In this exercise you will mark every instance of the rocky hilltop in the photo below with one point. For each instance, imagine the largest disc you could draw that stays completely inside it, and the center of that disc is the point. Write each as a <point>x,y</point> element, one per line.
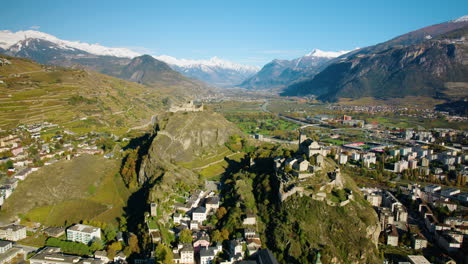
<point>184,137</point>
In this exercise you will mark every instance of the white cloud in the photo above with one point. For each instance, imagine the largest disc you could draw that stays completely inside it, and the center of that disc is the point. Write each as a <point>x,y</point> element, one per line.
<point>35,27</point>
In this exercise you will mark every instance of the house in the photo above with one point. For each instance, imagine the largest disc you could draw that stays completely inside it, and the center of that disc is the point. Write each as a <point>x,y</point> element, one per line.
<point>419,241</point>
<point>199,214</point>
<point>119,257</point>
<point>13,232</point>
<point>202,241</point>
<point>21,175</point>
<point>102,255</point>
<point>54,231</point>
<point>418,259</point>
<point>250,220</point>
<point>392,236</point>
<point>207,254</point>
<point>236,249</point>
<point>212,203</point>
<point>249,233</point>
<point>83,233</point>
<point>177,218</point>
<point>253,245</point>
<point>374,199</point>
<point>193,225</point>
<point>343,159</point>
<point>5,246</point>
<point>187,254</point>
<point>355,156</point>
<point>5,191</point>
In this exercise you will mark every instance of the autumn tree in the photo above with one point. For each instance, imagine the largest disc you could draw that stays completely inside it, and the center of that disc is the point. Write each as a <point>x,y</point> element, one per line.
<point>133,244</point>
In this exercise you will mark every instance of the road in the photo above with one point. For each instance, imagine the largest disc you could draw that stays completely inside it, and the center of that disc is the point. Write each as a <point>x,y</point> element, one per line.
<point>151,122</point>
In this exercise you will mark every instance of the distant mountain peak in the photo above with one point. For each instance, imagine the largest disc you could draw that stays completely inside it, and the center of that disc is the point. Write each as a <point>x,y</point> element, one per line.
<point>9,38</point>
<point>326,54</point>
<point>461,19</point>
<point>212,62</point>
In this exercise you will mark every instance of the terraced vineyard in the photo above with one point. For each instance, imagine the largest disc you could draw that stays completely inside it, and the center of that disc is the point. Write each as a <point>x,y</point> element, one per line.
<point>80,100</point>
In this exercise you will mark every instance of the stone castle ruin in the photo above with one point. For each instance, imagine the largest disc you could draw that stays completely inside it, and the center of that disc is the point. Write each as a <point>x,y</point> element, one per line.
<point>295,173</point>
<point>189,106</point>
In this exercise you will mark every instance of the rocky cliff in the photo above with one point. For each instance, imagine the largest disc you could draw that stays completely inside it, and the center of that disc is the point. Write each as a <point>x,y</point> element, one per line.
<point>183,137</point>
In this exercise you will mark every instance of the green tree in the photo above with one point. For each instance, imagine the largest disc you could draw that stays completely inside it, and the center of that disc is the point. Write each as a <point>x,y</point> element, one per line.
<point>185,236</point>
<point>216,236</point>
<point>163,254</point>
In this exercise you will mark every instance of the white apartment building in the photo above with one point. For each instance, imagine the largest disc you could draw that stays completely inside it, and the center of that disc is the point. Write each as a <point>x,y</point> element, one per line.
<point>83,233</point>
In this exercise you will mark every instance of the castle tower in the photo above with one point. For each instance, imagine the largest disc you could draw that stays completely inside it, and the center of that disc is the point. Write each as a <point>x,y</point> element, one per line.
<point>302,138</point>
<point>153,209</point>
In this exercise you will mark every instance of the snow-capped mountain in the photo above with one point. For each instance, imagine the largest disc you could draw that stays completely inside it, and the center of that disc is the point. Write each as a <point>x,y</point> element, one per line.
<point>280,73</point>
<point>460,19</point>
<point>48,49</point>
<point>9,39</point>
<point>326,54</point>
<point>214,71</point>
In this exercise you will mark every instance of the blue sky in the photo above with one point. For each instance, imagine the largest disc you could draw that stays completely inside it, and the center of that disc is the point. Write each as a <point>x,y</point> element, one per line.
<point>248,32</point>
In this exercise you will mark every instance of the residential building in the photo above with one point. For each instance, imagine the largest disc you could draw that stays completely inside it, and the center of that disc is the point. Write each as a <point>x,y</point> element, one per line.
<point>102,255</point>
<point>253,244</point>
<point>250,220</point>
<point>343,159</point>
<point>13,232</point>
<point>53,255</point>
<point>418,259</point>
<point>236,249</point>
<point>400,166</point>
<point>83,233</point>
<point>187,254</point>
<point>432,188</point>
<point>356,156</point>
<point>392,236</point>
<point>207,254</point>
<point>449,192</point>
<point>5,246</point>
<point>212,203</point>
<point>413,164</point>
<point>374,199</point>
<point>199,214</point>
<point>419,241</point>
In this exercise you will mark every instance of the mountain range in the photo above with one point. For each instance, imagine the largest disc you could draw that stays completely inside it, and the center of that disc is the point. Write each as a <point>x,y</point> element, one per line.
<point>279,73</point>
<point>431,62</point>
<point>48,49</point>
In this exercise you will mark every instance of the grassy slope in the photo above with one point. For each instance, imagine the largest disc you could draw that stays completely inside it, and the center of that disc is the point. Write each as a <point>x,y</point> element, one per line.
<point>32,92</point>
<point>79,189</point>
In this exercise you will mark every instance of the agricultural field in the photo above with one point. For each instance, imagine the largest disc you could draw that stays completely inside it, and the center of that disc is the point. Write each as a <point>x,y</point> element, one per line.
<point>81,101</point>
<point>85,188</point>
<point>261,123</point>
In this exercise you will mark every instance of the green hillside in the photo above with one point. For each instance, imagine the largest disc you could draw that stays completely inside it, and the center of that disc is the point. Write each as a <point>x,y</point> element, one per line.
<point>85,188</point>
<point>79,100</point>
